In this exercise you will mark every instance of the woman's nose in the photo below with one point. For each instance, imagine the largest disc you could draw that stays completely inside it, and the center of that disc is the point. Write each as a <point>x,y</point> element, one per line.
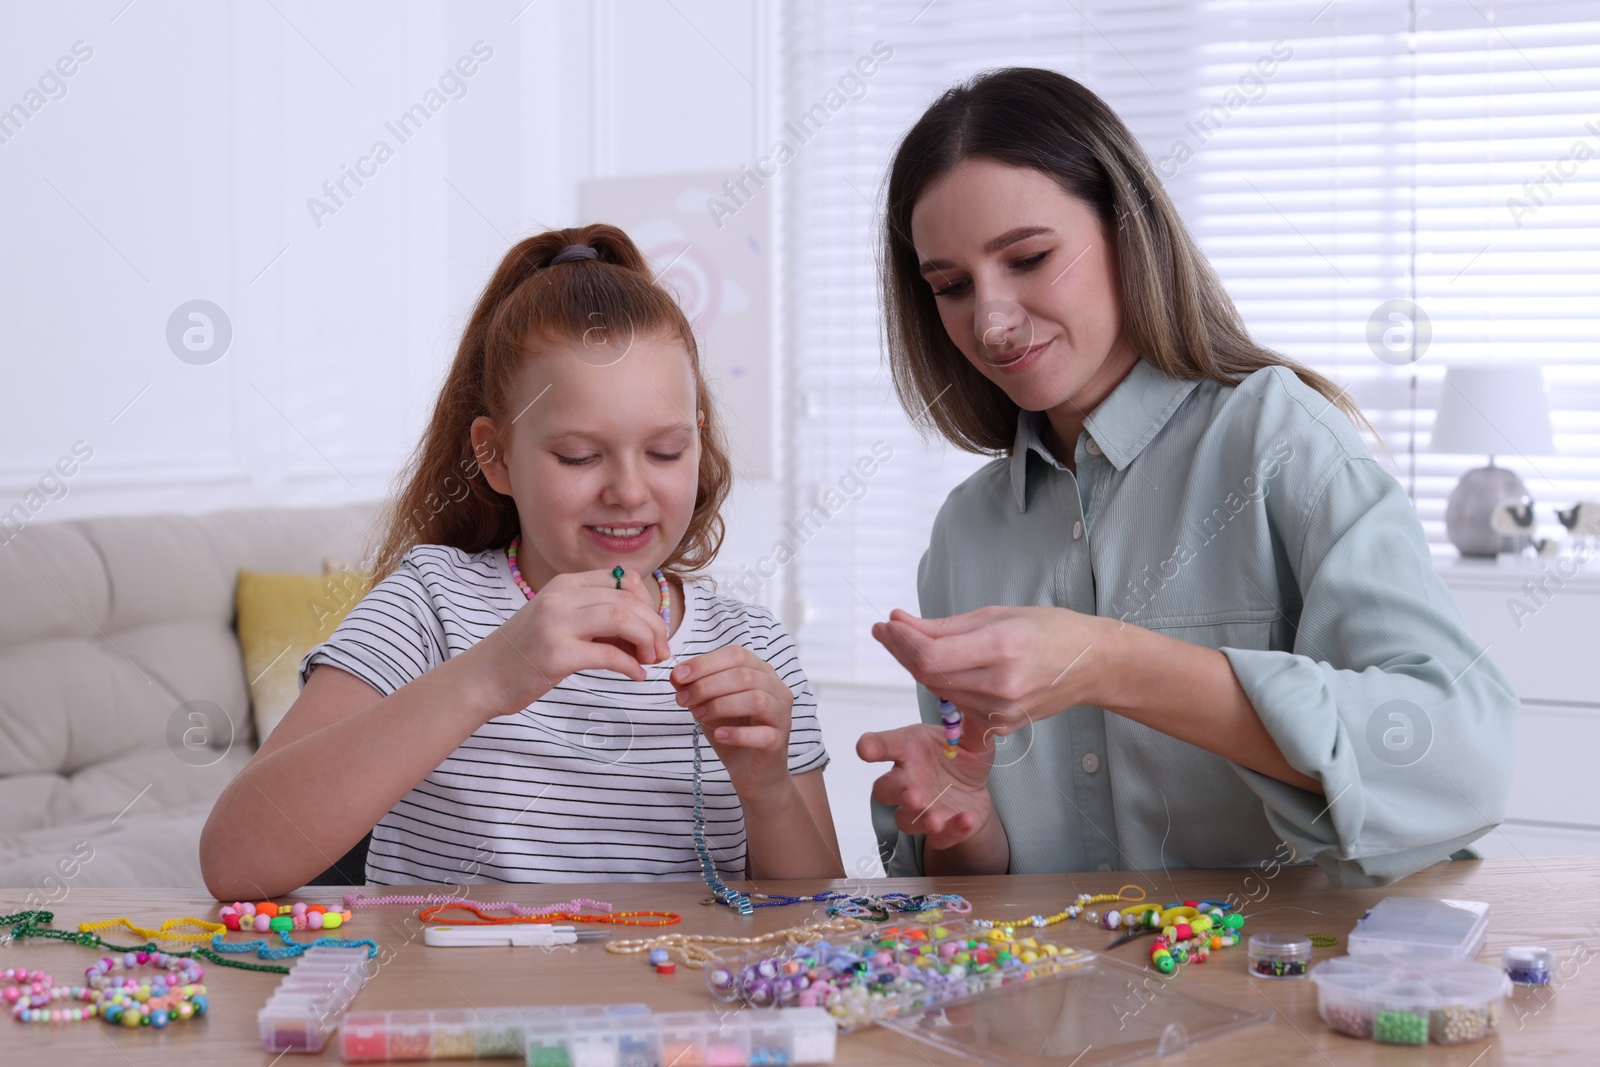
<point>627,488</point>
<point>999,323</point>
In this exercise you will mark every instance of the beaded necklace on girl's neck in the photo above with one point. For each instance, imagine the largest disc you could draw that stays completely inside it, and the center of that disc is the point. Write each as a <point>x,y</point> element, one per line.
<point>665,607</point>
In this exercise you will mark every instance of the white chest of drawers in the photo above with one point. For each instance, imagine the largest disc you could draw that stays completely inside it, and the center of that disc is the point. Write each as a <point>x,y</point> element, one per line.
<point>1539,621</point>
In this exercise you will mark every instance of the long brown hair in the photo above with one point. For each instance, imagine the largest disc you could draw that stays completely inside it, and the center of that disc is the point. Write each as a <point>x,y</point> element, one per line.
<point>1175,312</point>
<point>445,499</point>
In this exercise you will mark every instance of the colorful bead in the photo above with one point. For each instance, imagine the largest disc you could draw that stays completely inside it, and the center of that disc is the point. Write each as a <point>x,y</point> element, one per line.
<point>950,720</point>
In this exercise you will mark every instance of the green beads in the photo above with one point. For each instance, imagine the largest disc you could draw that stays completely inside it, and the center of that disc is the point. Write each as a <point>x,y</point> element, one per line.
<point>1400,1028</point>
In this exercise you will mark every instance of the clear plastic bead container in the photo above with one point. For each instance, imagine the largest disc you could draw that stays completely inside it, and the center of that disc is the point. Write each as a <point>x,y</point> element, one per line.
<point>607,1035</point>
<point>1275,955</point>
<point>309,1000</point>
<point>1404,1001</point>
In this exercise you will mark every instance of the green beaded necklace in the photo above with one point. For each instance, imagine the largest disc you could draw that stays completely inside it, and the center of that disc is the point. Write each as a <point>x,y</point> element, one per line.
<point>33,923</point>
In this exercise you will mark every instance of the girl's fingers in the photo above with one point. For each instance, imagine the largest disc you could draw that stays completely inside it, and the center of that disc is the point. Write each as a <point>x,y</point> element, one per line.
<point>749,704</point>
<point>622,620</point>
<point>726,682</point>
<point>756,737</point>
<point>714,662</point>
<point>598,656</point>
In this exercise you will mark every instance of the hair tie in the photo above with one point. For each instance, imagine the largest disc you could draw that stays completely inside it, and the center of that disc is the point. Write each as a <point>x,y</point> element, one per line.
<point>574,252</point>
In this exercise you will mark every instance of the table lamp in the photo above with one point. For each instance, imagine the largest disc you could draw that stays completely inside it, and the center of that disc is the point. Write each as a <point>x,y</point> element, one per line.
<point>1488,411</point>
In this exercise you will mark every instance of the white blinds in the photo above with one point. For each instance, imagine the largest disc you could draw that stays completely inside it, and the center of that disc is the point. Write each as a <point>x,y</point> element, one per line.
<point>1329,157</point>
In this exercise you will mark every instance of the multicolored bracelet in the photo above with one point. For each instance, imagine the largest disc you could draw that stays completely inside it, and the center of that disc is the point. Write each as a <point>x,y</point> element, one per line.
<point>267,916</point>
<point>133,1002</point>
<point>30,993</point>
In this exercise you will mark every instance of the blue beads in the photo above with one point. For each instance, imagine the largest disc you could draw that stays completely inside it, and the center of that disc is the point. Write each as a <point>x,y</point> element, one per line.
<point>158,1019</point>
<point>731,897</point>
<point>659,955</point>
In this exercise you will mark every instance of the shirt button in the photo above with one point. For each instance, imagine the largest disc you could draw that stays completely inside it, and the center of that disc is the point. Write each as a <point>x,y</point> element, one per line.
<point>1105,867</point>
<point>1077,531</point>
<point>1091,763</point>
<point>1093,447</point>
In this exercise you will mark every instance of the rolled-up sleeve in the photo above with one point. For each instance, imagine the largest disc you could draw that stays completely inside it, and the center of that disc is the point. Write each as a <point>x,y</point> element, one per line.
<point>1384,697</point>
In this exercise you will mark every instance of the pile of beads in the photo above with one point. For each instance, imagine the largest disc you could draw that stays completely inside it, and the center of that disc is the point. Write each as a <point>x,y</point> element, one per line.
<point>29,994</point>
<point>1187,935</point>
<point>1400,1028</point>
<point>888,970</point>
<point>267,916</point>
<point>950,721</point>
<point>133,1002</point>
<point>1278,955</point>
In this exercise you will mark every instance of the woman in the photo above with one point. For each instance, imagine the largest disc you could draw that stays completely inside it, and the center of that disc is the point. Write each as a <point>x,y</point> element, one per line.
<point>1189,619</point>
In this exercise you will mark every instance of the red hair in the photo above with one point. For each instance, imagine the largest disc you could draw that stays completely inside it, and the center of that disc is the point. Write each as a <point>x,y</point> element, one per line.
<point>528,304</point>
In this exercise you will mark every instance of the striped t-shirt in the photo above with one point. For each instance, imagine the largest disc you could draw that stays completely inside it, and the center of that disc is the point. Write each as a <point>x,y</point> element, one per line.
<point>593,781</point>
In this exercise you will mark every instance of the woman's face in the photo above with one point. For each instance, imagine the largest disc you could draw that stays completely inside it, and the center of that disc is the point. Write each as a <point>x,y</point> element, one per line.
<point>1025,280</point>
<point>602,458</point>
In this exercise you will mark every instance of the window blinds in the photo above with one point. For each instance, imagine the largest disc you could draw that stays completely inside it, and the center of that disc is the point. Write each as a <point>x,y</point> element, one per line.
<point>1330,157</point>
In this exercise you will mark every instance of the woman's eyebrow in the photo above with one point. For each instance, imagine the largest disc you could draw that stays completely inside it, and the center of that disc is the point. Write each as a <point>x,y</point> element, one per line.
<point>1005,240</point>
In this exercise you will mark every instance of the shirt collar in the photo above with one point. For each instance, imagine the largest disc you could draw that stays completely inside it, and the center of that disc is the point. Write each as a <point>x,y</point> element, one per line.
<point>1123,424</point>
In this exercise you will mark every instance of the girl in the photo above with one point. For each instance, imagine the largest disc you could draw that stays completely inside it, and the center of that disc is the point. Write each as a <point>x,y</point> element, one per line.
<point>517,698</point>
<point>1212,634</point>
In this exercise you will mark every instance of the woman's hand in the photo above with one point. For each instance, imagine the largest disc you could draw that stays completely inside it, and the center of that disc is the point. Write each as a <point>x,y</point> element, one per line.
<point>1004,667</point>
<point>579,621</point>
<point>744,709</point>
<point>947,800</point>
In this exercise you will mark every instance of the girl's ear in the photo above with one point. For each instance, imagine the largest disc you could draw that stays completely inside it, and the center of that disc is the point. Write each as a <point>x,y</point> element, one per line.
<point>490,453</point>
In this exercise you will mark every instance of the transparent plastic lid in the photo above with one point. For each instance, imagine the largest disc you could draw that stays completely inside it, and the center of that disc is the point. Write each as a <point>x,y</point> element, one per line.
<point>1422,927</point>
<point>1091,1011</point>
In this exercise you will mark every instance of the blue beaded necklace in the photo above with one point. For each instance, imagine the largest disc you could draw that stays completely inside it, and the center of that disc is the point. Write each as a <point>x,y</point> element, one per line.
<point>719,889</point>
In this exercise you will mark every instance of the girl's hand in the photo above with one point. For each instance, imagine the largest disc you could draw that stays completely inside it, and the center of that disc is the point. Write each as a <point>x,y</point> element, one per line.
<point>945,799</point>
<point>578,621</point>
<point>1004,667</point>
<point>744,709</point>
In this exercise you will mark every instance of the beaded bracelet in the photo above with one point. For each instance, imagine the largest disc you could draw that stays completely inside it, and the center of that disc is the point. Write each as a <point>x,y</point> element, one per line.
<point>352,901</point>
<point>621,918</point>
<point>740,902</point>
<point>171,930</point>
<point>29,994</point>
<point>1071,911</point>
<point>131,1002</point>
<point>267,916</point>
<point>692,947</point>
<point>292,948</point>
<point>878,908</point>
<point>36,923</point>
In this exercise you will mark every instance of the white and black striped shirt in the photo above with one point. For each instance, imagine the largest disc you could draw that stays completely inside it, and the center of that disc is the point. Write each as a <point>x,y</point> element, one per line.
<point>592,782</point>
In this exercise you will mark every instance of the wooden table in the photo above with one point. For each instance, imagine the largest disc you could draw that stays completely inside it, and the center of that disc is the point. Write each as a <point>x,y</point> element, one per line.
<point>1553,902</point>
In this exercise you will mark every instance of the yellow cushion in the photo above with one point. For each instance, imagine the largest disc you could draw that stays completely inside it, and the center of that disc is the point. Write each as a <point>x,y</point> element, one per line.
<point>281,617</point>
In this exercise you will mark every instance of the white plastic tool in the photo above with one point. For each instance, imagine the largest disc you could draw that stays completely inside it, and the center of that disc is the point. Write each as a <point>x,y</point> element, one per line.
<point>535,935</point>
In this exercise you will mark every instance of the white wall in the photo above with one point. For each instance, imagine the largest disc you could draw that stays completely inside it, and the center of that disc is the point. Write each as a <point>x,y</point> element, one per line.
<point>176,163</point>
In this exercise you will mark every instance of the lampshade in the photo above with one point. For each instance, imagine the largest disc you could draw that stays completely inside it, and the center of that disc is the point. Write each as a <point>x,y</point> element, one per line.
<point>1488,411</point>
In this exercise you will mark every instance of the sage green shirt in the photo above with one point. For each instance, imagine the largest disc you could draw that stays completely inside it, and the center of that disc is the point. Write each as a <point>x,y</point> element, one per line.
<point>1254,520</point>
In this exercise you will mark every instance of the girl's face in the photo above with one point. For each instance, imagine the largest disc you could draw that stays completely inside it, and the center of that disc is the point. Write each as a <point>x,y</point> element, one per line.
<point>602,457</point>
<point>1025,280</point>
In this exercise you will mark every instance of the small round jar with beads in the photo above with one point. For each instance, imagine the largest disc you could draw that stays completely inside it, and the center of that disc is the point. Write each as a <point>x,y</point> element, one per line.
<point>1528,964</point>
<point>1277,955</point>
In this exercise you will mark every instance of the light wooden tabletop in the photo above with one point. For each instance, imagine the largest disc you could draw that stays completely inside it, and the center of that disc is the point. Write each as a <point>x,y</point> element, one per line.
<point>1550,902</point>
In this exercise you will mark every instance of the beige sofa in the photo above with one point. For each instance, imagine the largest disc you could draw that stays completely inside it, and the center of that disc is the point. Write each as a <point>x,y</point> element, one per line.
<point>124,708</point>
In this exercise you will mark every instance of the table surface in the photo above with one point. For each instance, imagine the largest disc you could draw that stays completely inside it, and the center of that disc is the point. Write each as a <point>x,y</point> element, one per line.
<point>1553,902</point>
